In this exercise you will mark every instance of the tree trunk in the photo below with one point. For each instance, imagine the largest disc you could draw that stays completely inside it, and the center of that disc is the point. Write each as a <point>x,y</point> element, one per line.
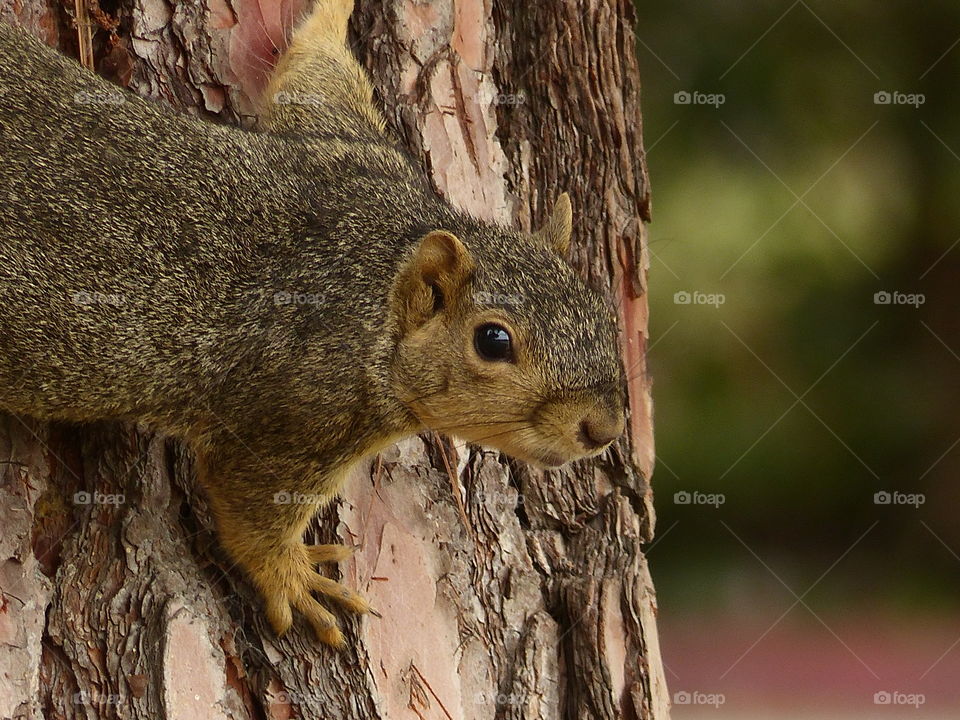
<point>505,591</point>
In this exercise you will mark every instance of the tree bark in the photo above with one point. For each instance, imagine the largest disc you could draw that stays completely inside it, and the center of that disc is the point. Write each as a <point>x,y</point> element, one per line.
<point>505,592</point>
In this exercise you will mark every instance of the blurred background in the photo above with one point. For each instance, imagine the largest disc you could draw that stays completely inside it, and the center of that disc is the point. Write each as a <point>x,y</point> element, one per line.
<point>805,348</point>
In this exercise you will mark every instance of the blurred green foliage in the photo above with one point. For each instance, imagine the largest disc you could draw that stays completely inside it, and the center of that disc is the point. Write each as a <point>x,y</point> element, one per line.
<point>797,199</point>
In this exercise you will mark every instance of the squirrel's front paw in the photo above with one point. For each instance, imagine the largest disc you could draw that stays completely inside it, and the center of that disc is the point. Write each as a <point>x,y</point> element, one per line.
<point>288,580</point>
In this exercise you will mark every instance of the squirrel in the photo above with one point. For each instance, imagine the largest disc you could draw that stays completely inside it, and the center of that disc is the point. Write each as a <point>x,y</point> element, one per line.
<point>288,302</point>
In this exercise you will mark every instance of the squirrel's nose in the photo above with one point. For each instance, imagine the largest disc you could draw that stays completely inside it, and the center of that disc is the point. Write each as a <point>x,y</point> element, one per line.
<point>597,431</point>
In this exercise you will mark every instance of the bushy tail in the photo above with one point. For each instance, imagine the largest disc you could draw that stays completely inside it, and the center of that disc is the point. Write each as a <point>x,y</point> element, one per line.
<point>318,87</point>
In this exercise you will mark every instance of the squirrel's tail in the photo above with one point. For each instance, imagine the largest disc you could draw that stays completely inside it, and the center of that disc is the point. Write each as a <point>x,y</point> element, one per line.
<point>318,86</point>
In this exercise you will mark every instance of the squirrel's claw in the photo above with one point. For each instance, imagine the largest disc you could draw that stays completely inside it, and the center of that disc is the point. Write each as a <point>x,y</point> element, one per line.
<point>346,597</point>
<point>288,579</point>
<point>322,620</point>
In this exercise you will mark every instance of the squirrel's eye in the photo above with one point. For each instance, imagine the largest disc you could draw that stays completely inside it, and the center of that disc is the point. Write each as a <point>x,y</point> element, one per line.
<point>493,342</point>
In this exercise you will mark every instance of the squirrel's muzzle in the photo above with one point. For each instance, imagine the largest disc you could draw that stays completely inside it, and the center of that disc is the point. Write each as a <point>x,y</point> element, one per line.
<point>575,427</point>
<point>599,429</point>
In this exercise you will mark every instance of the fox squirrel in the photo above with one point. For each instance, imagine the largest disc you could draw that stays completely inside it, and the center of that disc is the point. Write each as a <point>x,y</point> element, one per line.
<point>287,302</point>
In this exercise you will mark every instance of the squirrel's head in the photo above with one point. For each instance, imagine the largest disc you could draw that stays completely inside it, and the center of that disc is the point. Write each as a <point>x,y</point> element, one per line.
<point>499,342</point>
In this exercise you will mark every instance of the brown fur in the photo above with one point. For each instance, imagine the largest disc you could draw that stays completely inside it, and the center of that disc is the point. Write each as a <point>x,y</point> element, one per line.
<point>288,302</point>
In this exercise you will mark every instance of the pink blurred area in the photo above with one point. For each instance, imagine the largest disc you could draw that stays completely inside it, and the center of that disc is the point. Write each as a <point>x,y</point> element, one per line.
<point>851,664</point>
<point>259,31</point>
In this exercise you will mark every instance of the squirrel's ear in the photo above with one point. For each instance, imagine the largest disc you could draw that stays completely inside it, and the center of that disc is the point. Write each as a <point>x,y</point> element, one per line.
<point>556,232</point>
<point>439,267</point>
